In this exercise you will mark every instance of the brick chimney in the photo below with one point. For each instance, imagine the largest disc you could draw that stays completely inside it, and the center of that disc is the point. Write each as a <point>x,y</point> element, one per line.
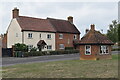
<point>15,12</point>
<point>87,30</point>
<point>70,19</point>
<point>92,27</point>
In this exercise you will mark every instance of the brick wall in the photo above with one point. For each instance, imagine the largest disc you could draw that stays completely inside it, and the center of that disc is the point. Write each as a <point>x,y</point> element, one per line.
<point>67,39</point>
<point>95,50</point>
<point>4,41</point>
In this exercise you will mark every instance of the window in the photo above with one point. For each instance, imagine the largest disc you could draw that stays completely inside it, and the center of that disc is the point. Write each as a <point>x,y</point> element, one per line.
<point>30,47</point>
<point>16,34</point>
<point>49,36</point>
<point>75,36</point>
<point>29,35</point>
<point>87,50</point>
<point>49,47</point>
<point>60,36</point>
<point>103,49</point>
<point>40,35</point>
<point>61,46</point>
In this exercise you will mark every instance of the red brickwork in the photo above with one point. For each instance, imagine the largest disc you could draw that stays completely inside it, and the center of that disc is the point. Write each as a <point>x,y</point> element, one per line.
<point>67,39</point>
<point>95,53</point>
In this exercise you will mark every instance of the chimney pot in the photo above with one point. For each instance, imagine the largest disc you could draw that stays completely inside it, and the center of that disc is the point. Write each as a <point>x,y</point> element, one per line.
<point>87,30</point>
<point>15,12</point>
<point>92,27</point>
<point>70,19</point>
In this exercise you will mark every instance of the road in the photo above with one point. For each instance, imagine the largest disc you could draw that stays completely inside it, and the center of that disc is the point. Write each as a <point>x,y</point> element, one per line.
<point>7,61</point>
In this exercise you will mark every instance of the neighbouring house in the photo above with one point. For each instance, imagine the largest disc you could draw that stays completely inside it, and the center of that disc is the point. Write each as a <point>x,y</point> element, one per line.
<point>0,45</point>
<point>46,34</point>
<point>94,45</point>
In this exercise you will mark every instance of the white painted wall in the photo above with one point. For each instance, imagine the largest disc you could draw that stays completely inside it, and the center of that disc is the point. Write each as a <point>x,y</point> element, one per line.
<point>36,38</point>
<point>13,29</point>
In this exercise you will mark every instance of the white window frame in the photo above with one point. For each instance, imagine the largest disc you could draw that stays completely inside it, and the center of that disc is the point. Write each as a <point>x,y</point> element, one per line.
<point>30,35</point>
<point>49,37</point>
<point>75,37</point>
<point>103,47</point>
<point>61,47</point>
<point>49,47</point>
<point>85,49</point>
<point>40,35</point>
<point>60,36</point>
<point>16,34</point>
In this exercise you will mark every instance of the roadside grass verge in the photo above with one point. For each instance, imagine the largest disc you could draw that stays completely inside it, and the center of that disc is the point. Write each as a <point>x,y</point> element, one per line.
<point>64,69</point>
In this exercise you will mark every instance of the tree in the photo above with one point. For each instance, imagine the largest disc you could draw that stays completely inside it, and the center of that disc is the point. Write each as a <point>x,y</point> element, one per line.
<point>112,33</point>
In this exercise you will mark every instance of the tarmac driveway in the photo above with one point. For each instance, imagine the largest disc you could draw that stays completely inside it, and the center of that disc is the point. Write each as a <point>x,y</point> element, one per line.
<point>7,61</point>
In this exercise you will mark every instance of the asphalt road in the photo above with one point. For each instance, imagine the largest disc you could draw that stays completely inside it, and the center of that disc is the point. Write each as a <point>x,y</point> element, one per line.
<point>7,61</point>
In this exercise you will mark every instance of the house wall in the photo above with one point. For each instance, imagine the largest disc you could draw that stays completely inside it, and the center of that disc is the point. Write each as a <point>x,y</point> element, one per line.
<point>4,41</point>
<point>105,56</point>
<point>13,30</point>
<point>95,53</point>
<point>36,38</point>
<point>67,39</point>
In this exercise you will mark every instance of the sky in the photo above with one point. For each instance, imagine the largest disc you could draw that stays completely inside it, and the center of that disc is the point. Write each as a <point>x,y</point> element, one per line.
<point>84,13</point>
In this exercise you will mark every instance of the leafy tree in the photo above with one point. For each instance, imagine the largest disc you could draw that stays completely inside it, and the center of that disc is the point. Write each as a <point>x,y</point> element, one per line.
<point>112,33</point>
<point>119,34</point>
<point>20,47</point>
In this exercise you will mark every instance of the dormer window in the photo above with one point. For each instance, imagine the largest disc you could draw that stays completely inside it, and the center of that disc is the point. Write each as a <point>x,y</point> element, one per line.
<point>60,36</point>
<point>30,35</point>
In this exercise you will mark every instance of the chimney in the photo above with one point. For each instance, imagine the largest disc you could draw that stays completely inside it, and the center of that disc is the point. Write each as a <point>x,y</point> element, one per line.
<point>70,19</point>
<point>87,30</point>
<point>15,12</point>
<point>92,27</point>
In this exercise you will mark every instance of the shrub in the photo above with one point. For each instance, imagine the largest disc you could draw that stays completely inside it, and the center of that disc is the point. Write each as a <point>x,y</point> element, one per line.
<point>41,53</point>
<point>116,49</point>
<point>33,49</point>
<point>20,47</point>
<point>69,48</point>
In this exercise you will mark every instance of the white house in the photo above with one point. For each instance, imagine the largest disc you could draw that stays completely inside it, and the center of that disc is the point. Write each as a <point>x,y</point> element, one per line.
<point>50,34</point>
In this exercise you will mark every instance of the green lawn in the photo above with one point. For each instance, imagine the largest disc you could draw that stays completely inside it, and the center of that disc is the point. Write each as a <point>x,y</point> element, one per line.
<point>64,69</point>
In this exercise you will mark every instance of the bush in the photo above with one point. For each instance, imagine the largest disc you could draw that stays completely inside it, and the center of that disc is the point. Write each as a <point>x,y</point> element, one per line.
<point>116,49</point>
<point>20,47</point>
<point>69,48</point>
<point>41,53</point>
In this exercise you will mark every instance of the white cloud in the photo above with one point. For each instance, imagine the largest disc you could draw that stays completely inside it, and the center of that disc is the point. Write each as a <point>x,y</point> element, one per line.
<point>101,14</point>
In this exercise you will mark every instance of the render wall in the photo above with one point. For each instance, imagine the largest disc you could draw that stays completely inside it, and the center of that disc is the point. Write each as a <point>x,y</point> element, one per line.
<point>36,38</point>
<point>13,31</point>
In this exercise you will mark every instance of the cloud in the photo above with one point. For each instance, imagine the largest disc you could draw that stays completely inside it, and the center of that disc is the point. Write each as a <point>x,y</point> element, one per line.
<point>85,13</point>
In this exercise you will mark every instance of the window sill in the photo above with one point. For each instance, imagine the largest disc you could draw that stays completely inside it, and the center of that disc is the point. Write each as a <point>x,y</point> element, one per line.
<point>30,38</point>
<point>60,38</point>
<point>87,54</point>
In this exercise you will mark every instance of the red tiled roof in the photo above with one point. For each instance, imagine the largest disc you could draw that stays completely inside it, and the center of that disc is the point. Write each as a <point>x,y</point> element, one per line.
<point>63,26</point>
<point>35,24</point>
<point>95,37</point>
<point>46,25</point>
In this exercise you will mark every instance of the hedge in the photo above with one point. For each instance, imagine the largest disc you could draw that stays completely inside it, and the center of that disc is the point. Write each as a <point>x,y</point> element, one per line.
<point>41,53</point>
<point>116,49</point>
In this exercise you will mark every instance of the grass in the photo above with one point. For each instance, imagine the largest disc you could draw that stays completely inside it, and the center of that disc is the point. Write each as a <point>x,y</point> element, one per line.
<point>64,69</point>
